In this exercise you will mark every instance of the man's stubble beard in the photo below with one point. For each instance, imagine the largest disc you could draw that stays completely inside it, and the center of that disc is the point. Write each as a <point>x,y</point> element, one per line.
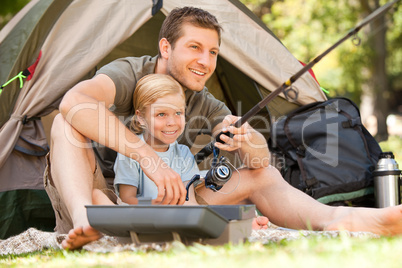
<point>179,77</point>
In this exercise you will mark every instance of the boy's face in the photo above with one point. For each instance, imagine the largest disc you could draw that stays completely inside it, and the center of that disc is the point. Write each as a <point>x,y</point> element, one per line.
<point>192,59</point>
<point>164,120</point>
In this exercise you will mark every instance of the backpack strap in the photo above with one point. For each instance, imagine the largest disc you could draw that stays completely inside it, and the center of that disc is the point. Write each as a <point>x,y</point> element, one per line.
<point>356,124</point>
<point>301,153</point>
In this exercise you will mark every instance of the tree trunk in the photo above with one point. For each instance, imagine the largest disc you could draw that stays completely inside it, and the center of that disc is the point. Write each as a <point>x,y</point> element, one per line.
<point>379,85</point>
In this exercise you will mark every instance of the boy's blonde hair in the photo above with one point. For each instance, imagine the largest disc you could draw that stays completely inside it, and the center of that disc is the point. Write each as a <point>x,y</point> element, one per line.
<point>150,88</point>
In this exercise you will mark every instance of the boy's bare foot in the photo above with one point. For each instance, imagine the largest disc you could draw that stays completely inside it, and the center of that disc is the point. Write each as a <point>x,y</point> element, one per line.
<point>80,236</point>
<point>260,223</point>
<point>385,221</point>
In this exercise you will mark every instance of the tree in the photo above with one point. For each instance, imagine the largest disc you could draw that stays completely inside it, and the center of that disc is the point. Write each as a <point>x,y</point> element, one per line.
<point>374,68</point>
<point>9,8</point>
<point>379,86</point>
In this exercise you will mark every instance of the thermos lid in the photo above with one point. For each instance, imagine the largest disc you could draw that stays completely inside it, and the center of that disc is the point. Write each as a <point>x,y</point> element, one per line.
<point>387,155</point>
<point>387,162</point>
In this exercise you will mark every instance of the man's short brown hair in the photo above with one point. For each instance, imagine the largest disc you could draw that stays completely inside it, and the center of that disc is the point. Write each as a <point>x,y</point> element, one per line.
<point>172,26</point>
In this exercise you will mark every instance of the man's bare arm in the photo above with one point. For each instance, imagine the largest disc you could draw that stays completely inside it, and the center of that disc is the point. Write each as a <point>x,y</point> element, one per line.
<point>86,108</point>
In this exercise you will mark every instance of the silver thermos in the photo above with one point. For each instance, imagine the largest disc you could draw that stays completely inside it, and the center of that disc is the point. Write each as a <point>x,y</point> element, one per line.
<point>387,181</point>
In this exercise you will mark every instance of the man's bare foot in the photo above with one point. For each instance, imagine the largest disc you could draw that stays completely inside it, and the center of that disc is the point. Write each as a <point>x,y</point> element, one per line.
<point>386,221</point>
<point>100,198</point>
<point>260,223</point>
<point>80,236</point>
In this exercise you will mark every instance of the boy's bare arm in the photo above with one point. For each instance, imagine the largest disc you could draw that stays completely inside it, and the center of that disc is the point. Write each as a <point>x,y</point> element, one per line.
<point>128,194</point>
<point>86,108</point>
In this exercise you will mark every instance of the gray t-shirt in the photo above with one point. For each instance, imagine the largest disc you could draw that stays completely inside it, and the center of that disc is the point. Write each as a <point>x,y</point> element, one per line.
<point>128,171</point>
<point>203,110</point>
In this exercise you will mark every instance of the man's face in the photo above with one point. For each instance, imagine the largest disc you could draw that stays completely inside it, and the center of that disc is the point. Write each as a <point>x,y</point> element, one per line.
<point>192,60</point>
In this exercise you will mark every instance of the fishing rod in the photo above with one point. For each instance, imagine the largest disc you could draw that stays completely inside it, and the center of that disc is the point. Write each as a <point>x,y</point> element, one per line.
<point>286,86</point>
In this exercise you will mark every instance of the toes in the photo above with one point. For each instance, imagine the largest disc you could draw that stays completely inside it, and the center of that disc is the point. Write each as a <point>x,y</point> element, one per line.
<point>80,236</point>
<point>65,244</point>
<point>261,220</point>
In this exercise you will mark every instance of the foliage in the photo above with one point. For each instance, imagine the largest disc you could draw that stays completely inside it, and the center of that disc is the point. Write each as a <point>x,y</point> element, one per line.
<point>393,144</point>
<point>9,8</point>
<point>394,39</point>
<point>308,27</point>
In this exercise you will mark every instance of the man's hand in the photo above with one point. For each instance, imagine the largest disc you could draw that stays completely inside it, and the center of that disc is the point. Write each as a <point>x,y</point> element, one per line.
<point>241,134</point>
<point>250,145</point>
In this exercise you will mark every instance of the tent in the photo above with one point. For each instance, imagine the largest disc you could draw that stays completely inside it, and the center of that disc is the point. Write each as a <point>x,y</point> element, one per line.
<point>63,42</point>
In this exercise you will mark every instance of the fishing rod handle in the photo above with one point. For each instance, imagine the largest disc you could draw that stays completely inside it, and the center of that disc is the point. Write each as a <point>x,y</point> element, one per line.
<point>209,148</point>
<point>204,153</point>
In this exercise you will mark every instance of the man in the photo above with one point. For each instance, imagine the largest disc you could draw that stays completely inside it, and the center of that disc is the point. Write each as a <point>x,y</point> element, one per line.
<point>188,47</point>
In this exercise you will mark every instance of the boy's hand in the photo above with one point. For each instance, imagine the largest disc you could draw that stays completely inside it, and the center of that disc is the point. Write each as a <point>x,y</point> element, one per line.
<point>171,190</point>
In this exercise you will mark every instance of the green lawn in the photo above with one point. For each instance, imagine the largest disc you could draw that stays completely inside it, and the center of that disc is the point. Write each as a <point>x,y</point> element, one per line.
<point>307,252</point>
<point>320,252</point>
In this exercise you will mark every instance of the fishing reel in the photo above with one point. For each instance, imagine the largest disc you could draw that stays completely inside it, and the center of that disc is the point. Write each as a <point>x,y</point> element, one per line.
<point>219,173</point>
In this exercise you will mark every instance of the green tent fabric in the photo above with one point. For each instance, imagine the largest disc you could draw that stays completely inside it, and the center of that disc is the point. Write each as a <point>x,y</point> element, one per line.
<point>77,37</point>
<point>22,209</point>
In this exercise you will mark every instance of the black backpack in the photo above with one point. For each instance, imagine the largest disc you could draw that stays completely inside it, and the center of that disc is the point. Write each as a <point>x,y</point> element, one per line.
<point>324,150</point>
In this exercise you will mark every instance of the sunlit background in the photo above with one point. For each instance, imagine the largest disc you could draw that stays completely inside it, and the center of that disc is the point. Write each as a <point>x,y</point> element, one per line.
<point>308,27</point>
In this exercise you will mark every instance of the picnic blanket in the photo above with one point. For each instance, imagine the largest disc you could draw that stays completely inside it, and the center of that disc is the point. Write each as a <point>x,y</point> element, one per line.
<point>35,240</point>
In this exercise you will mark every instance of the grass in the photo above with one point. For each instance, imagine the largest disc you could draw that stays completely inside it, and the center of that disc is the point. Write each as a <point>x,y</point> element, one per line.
<point>310,252</point>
